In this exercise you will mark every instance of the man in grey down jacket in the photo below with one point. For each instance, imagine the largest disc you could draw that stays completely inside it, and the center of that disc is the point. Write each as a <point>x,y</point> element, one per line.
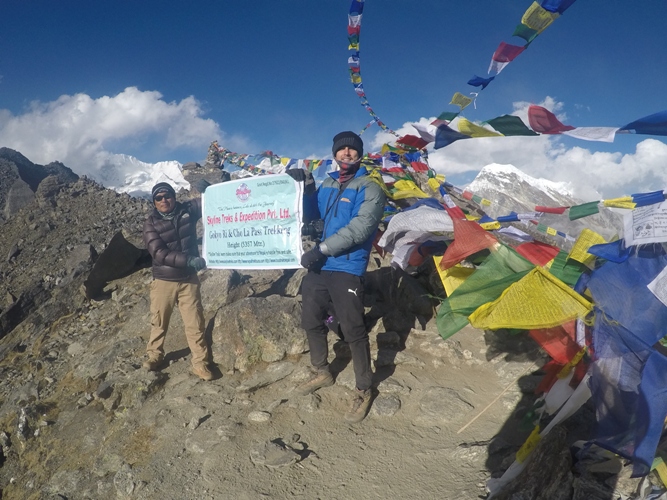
<point>351,204</point>
<point>171,239</point>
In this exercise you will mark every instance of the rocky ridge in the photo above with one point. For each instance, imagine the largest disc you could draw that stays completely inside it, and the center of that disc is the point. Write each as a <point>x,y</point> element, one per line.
<point>80,419</point>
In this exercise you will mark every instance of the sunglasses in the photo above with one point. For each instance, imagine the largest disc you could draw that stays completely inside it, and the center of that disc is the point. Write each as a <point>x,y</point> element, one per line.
<point>161,197</point>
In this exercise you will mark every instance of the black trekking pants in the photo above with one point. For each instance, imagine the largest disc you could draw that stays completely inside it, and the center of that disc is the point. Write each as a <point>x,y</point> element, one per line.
<point>346,292</point>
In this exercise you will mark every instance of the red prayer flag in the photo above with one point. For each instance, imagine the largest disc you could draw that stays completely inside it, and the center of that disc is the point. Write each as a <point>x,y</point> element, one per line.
<point>467,195</point>
<point>551,210</point>
<point>469,238</point>
<point>506,52</point>
<point>413,141</point>
<point>537,253</point>
<point>544,121</point>
<point>419,166</point>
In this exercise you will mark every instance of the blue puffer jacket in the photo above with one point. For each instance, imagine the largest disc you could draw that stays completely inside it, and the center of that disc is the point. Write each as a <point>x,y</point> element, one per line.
<point>351,216</point>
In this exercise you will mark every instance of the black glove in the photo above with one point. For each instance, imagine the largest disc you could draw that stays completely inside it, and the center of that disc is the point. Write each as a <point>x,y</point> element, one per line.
<point>313,259</point>
<point>298,174</point>
<point>197,263</point>
<point>201,185</point>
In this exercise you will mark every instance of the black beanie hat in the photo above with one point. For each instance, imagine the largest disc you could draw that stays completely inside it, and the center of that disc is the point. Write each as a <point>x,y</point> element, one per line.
<point>350,140</point>
<point>163,187</point>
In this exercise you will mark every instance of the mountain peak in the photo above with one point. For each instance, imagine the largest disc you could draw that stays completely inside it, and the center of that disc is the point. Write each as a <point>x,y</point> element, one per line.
<point>506,174</point>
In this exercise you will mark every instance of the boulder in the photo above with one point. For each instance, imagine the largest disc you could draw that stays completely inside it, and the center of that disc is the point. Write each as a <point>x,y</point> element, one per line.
<point>257,329</point>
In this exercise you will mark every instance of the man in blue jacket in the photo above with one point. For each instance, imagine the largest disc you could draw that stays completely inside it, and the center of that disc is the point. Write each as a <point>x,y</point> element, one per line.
<point>351,205</point>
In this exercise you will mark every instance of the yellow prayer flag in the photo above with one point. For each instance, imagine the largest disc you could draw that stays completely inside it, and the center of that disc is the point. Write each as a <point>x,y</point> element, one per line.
<point>407,189</point>
<point>451,278</point>
<point>623,202</point>
<point>551,231</point>
<point>434,184</point>
<point>376,176</point>
<point>440,177</point>
<point>538,18</point>
<point>565,371</point>
<point>586,239</point>
<point>529,445</point>
<point>490,226</point>
<point>460,100</point>
<point>538,300</point>
<point>284,161</point>
<point>469,128</point>
<point>472,217</point>
<point>485,202</point>
<point>355,78</point>
<point>353,46</point>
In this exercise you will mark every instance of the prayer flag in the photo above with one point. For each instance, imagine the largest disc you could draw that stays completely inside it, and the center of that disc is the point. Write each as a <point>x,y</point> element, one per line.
<point>539,300</point>
<point>509,125</point>
<point>469,128</point>
<point>477,81</point>
<point>559,6</point>
<point>543,121</point>
<point>500,269</point>
<point>523,31</point>
<point>444,136</point>
<point>504,54</point>
<point>655,124</point>
<point>628,386</point>
<point>460,100</point>
<point>469,238</point>
<point>538,18</point>
<point>584,210</point>
<point>602,134</point>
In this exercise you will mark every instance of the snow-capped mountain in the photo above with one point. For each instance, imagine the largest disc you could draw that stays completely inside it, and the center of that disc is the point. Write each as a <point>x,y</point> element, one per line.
<point>127,174</point>
<point>511,190</point>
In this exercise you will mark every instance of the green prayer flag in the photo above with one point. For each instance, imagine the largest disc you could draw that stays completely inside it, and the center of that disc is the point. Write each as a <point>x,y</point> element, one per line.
<point>542,228</point>
<point>501,268</point>
<point>566,270</point>
<point>579,211</point>
<point>523,31</point>
<point>477,199</point>
<point>447,116</point>
<point>510,125</point>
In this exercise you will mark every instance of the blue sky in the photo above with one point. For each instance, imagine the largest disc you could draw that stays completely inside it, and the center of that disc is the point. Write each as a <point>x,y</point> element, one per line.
<point>81,81</point>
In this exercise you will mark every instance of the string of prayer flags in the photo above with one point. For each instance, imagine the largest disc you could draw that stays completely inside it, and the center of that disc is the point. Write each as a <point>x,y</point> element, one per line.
<point>354,66</point>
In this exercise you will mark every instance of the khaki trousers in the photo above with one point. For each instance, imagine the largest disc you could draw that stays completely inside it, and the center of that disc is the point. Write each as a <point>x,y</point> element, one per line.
<point>164,297</point>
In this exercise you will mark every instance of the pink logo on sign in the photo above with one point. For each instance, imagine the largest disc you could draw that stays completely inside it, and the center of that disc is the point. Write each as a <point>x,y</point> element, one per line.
<point>243,192</point>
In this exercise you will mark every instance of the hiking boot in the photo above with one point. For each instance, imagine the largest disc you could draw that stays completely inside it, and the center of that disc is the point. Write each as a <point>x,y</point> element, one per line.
<point>153,362</point>
<point>322,378</point>
<point>361,403</point>
<point>202,371</point>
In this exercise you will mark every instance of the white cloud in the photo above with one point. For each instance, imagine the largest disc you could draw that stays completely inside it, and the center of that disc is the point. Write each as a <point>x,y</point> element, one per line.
<point>593,174</point>
<point>80,131</point>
